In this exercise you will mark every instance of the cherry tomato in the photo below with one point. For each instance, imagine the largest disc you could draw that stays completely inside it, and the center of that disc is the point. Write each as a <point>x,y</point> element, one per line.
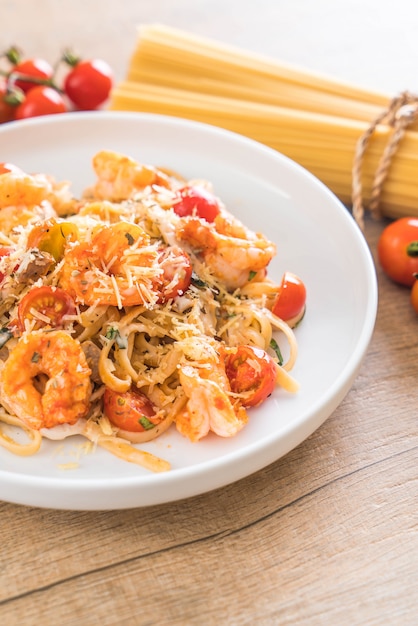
<point>32,68</point>
<point>177,272</point>
<point>198,201</point>
<point>290,300</point>
<point>55,303</point>
<point>131,411</point>
<point>40,100</point>
<point>397,250</point>
<point>89,83</point>
<point>7,111</point>
<point>414,295</point>
<point>52,236</point>
<point>251,370</point>
<point>7,168</point>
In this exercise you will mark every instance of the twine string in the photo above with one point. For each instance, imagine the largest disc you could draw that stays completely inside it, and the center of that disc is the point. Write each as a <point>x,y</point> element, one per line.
<point>401,112</point>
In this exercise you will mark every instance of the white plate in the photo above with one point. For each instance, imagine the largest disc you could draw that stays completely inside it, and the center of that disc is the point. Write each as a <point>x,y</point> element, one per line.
<point>316,238</point>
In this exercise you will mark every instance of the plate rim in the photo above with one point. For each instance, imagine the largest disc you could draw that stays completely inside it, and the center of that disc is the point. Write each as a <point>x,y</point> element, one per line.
<point>336,393</point>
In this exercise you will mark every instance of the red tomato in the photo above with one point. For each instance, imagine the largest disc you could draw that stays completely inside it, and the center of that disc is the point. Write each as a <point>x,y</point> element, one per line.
<point>89,83</point>
<point>397,250</point>
<point>55,303</point>
<point>177,272</point>
<point>131,411</point>
<point>41,100</point>
<point>414,295</point>
<point>252,370</point>
<point>7,111</point>
<point>290,300</point>
<point>32,68</point>
<point>198,201</point>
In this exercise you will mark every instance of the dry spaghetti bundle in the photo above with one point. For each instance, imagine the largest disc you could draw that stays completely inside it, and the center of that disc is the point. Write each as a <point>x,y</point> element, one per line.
<point>324,124</point>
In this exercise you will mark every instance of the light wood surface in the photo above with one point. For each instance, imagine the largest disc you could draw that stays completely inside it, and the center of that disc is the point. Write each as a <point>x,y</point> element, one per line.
<point>327,535</point>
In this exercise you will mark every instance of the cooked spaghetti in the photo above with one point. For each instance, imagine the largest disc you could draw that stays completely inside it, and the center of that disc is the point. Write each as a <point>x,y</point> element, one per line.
<point>141,306</point>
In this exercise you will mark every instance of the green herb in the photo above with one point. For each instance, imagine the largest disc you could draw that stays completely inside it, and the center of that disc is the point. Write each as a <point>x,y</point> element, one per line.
<point>145,423</point>
<point>223,314</point>
<point>113,334</point>
<point>35,357</point>
<point>251,275</point>
<point>5,335</point>
<point>275,346</point>
<point>130,238</point>
<point>198,282</point>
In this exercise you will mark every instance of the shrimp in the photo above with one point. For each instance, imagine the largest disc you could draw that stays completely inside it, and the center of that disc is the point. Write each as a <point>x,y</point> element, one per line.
<point>232,251</point>
<point>25,198</point>
<point>22,200</point>
<point>209,407</point>
<point>18,189</point>
<point>119,176</point>
<point>11,217</point>
<point>64,397</point>
<point>117,267</point>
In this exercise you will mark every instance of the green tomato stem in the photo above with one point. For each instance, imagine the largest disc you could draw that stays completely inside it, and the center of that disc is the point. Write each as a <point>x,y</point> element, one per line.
<point>412,249</point>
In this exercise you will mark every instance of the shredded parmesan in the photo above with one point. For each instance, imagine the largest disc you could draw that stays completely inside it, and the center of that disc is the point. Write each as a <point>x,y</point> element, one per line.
<point>144,325</point>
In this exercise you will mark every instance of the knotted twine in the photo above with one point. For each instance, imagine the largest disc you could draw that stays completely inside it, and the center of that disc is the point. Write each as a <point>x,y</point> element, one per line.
<point>401,112</point>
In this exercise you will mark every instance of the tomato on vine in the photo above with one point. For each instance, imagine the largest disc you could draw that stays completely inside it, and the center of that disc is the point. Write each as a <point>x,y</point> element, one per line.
<point>414,294</point>
<point>88,83</point>
<point>30,72</point>
<point>397,250</point>
<point>41,100</point>
<point>7,110</point>
<point>30,87</point>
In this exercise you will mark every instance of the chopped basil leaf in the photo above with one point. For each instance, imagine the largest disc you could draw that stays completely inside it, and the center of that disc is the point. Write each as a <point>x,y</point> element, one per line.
<point>275,346</point>
<point>145,423</point>
<point>251,275</point>
<point>198,282</point>
<point>35,357</point>
<point>114,335</point>
<point>130,239</point>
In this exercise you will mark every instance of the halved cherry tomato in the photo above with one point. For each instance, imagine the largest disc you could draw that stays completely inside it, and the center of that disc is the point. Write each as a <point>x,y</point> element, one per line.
<point>177,272</point>
<point>131,411</point>
<point>290,300</point>
<point>32,68</point>
<point>40,100</point>
<point>7,168</point>
<point>397,250</point>
<point>198,201</point>
<point>414,295</point>
<point>89,83</point>
<point>53,302</point>
<point>251,370</point>
<point>52,236</point>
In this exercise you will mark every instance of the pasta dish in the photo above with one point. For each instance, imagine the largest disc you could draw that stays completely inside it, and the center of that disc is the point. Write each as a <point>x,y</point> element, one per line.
<point>140,306</point>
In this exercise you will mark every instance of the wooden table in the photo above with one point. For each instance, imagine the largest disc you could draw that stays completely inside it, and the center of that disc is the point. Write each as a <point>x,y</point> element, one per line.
<point>326,535</point>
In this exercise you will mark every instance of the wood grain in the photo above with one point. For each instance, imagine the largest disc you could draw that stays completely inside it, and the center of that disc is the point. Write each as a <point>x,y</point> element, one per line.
<point>327,535</point>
